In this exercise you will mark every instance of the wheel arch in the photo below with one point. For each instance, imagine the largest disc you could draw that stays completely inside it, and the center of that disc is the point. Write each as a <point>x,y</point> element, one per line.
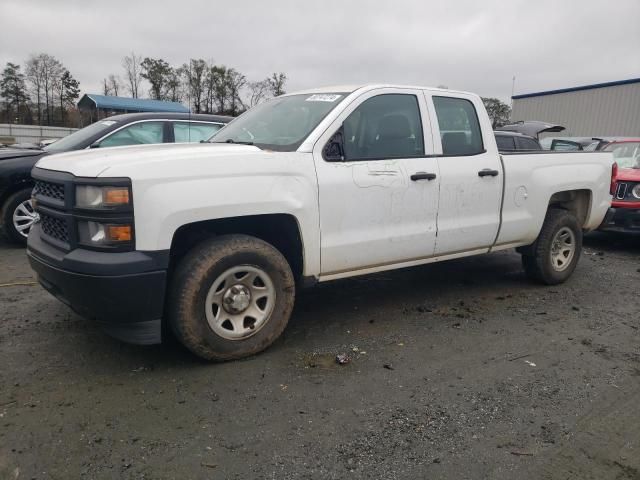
<point>280,230</point>
<point>577,201</point>
<point>14,188</point>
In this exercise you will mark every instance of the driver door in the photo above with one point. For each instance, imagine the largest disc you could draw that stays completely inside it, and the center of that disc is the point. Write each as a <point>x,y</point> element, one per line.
<point>379,202</point>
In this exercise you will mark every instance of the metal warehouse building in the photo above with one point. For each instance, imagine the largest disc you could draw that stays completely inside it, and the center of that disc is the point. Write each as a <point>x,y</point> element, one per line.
<point>604,109</point>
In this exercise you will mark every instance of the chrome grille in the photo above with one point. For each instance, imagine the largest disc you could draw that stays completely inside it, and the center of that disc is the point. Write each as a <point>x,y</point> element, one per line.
<point>54,228</point>
<point>48,189</point>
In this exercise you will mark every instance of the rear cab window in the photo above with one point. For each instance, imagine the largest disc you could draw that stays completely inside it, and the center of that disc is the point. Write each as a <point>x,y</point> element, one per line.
<point>460,131</point>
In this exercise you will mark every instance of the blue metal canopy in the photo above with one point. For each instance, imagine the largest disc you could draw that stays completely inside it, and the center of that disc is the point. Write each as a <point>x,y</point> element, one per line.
<point>124,104</point>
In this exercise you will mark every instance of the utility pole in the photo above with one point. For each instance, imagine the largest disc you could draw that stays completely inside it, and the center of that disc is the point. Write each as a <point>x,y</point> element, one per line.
<point>513,89</point>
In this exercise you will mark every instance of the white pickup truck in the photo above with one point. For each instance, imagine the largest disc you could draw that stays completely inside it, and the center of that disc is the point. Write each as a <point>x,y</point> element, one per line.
<point>212,240</point>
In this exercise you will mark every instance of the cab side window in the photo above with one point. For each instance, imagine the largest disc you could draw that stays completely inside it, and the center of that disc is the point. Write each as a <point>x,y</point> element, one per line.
<point>136,134</point>
<point>382,127</point>
<point>459,126</point>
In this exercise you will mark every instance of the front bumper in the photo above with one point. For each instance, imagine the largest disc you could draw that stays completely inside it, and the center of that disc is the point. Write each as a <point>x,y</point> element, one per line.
<point>124,291</point>
<point>624,220</point>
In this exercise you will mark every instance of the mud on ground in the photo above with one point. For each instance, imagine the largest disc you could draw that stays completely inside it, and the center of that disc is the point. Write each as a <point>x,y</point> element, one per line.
<point>463,369</point>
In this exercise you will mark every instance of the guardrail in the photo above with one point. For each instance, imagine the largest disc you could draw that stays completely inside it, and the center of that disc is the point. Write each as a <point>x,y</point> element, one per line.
<point>33,133</point>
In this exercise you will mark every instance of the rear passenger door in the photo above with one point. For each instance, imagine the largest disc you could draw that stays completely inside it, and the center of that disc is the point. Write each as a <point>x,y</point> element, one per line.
<point>470,176</point>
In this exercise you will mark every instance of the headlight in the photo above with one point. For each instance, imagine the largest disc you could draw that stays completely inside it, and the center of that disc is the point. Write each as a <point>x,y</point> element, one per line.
<point>104,234</point>
<point>90,196</point>
<point>635,191</point>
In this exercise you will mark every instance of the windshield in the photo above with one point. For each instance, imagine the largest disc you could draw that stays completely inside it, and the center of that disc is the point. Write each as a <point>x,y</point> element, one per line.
<point>626,155</point>
<point>77,139</point>
<point>282,123</point>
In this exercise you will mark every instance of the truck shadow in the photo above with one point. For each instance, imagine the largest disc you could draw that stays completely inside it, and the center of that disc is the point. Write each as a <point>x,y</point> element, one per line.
<point>613,242</point>
<point>322,314</point>
<point>457,287</point>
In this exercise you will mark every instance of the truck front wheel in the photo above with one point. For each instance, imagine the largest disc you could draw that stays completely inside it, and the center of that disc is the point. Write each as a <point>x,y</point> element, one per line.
<point>554,255</point>
<point>230,297</point>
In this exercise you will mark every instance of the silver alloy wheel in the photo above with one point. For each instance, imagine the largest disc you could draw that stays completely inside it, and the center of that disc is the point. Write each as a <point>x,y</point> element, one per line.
<point>240,302</point>
<point>563,248</point>
<point>23,218</point>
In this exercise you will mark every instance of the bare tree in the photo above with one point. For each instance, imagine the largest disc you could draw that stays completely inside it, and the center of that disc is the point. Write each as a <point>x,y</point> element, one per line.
<point>44,72</point>
<point>173,86</point>
<point>133,73</point>
<point>195,75</point>
<point>258,91</point>
<point>217,89</point>
<point>34,77</point>
<point>115,85</point>
<point>106,88</point>
<point>235,82</point>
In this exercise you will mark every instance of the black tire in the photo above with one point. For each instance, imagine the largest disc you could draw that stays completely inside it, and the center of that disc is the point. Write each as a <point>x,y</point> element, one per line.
<point>6,216</point>
<point>194,277</point>
<point>538,261</point>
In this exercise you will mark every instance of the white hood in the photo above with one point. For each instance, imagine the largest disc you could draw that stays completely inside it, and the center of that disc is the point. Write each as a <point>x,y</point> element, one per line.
<point>115,161</point>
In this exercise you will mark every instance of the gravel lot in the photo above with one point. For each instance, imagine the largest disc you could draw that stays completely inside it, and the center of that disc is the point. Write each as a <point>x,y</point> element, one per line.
<point>459,370</point>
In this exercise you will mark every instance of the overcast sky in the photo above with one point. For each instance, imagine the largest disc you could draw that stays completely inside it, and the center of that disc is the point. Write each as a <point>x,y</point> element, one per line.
<point>463,44</point>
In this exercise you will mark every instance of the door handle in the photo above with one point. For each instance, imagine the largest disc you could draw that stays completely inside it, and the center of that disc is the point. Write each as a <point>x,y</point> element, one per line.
<point>487,172</point>
<point>423,176</point>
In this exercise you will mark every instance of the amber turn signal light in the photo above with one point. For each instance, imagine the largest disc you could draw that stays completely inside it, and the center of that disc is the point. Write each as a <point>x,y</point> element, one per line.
<point>116,196</point>
<point>119,233</point>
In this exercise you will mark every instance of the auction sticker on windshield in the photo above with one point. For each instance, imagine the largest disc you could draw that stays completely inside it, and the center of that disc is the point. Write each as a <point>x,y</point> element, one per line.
<point>323,97</point>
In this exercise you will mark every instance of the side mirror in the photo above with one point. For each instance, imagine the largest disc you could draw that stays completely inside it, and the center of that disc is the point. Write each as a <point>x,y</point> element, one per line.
<point>94,145</point>
<point>333,151</point>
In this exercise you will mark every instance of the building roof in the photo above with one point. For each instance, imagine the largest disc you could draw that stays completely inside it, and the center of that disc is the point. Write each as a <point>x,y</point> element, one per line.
<point>577,89</point>
<point>91,100</point>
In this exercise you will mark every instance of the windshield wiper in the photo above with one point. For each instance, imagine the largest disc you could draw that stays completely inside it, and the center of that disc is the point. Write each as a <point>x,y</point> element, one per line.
<point>230,140</point>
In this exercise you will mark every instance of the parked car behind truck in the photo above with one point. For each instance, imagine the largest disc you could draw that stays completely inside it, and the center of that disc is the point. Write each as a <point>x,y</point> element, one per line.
<point>16,212</point>
<point>213,239</point>
<point>625,214</point>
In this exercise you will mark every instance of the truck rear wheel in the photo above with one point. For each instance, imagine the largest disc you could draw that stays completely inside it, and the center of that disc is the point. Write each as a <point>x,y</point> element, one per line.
<point>554,255</point>
<point>230,297</point>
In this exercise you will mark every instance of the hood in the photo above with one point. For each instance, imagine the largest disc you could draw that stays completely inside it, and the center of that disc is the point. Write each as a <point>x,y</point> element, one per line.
<point>7,153</point>
<point>632,174</point>
<point>533,128</point>
<point>116,161</point>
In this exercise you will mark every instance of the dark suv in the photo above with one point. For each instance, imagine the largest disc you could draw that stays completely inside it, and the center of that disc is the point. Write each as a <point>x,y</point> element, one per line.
<point>17,214</point>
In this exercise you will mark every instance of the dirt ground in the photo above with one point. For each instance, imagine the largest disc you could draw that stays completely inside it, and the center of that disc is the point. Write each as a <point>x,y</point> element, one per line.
<point>461,370</point>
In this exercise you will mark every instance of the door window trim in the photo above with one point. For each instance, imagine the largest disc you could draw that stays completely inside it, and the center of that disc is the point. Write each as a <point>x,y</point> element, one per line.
<point>429,96</point>
<point>169,120</point>
<point>355,103</point>
<point>172,133</point>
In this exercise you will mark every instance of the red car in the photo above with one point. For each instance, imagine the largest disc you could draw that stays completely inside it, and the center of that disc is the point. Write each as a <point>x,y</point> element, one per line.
<point>625,211</point>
